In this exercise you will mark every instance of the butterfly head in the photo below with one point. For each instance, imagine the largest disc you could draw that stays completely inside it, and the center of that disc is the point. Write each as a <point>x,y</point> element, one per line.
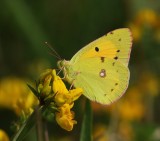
<point>65,66</point>
<point>62,64</point>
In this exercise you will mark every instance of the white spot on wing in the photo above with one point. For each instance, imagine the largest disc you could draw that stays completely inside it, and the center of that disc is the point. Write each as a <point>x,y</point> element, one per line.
<point>102,73</point>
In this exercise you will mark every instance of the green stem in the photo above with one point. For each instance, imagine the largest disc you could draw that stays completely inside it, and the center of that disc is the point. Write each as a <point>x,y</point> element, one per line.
<point>25,128</point>
<point>86,129</point>
<point>46,136</point>
<point>39,125</point>
<point>29,124</point>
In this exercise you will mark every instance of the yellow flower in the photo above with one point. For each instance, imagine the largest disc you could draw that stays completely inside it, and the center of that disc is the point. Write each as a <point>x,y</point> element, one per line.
<point>64,101</point>
<point>100,133</point>
<point>58,85</point>
<point>131,107</point>
<point>69,97</point>
<point>15,95</point>
<point>136,32</point>
<point>145,18</point>
<point>26,104</point>
<point>149,84</point>
<point>52,85</point>
<point>65,117</point>
<point>44,87</point>
<point>3,136</point>
<point>62,94</point>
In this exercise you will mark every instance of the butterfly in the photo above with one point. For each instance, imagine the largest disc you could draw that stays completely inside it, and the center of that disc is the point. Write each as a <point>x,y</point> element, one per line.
<point>101,67</point>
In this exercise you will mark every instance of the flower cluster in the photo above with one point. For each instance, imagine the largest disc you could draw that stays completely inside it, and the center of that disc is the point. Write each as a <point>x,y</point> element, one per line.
<point>145,18</point>
<point>51,85</point>
<point>15,95</point>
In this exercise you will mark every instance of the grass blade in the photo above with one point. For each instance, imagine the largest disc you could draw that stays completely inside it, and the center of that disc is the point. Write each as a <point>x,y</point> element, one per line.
<point>86,131</point>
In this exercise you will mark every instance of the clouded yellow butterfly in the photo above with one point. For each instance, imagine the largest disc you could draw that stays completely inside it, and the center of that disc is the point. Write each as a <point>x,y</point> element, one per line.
<point>101,67</point>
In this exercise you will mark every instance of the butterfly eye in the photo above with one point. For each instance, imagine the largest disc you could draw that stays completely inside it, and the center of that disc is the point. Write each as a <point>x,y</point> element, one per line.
<point>96,49</point>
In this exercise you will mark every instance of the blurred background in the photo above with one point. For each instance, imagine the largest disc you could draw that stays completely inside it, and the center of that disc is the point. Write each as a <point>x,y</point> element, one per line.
<point>68,25</point>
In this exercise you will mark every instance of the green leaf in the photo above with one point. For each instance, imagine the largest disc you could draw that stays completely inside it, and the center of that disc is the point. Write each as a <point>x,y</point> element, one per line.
<point>86,131</point>
<point>28,125</point>
<point>25,128</point>
<point>34,91</point>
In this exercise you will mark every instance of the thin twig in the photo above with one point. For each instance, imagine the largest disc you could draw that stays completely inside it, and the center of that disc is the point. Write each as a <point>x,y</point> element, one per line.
<point>39,124</point>
<point>46,136</point>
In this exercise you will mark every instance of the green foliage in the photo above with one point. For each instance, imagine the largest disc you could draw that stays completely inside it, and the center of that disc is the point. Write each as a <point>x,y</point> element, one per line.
<point>144,131</point>
<point>86,129</point>
<point>25,128</point>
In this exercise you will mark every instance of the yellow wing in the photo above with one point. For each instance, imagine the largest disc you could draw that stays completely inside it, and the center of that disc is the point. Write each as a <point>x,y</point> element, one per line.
<point>103,82</point>
<point>115,45</point>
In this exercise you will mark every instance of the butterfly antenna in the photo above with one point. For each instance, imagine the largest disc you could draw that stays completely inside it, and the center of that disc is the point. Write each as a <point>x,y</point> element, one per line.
<point>54,53</point>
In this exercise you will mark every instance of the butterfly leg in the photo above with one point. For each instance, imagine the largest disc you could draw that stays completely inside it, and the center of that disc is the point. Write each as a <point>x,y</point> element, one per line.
<point>64,74</point>
<point>60,71</point>
<point>72,85</point>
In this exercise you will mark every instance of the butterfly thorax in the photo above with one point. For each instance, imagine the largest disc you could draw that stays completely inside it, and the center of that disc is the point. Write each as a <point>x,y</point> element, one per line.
<point>67,69</point>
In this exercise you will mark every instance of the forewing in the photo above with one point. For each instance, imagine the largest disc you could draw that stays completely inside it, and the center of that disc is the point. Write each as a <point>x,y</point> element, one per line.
<point>114,45</point>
